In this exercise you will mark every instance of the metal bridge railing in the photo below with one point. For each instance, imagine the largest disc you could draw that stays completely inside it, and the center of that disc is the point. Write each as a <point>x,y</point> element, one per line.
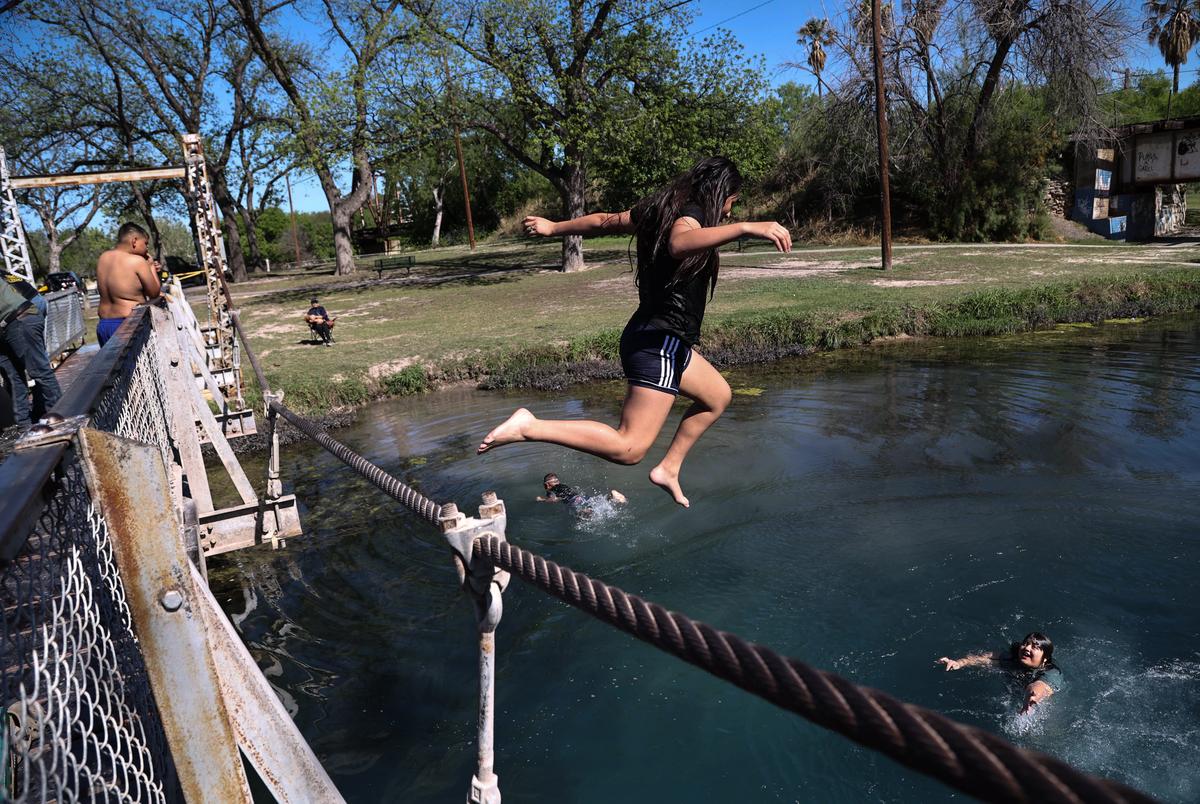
<point>64,321</point>
<point>81,721</point>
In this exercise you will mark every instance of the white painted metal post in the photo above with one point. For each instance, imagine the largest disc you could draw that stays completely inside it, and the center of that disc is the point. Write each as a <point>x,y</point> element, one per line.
<point>485,584</point>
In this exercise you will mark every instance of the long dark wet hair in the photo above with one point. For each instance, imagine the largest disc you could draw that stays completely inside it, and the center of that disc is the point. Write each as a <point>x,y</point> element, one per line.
<point>708,185</point>
<point>1038,640</point>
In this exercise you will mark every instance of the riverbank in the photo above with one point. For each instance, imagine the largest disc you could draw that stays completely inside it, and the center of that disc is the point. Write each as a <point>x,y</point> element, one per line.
<point>503,318</point>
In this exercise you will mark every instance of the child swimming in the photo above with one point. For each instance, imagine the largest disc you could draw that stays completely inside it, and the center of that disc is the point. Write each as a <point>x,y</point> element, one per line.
<point>557,491</point>
<point>1031,660</point>
<point>678,231</point>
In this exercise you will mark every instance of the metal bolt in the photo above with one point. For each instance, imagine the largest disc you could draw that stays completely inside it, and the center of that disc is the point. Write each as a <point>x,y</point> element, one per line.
<point>172,600</point>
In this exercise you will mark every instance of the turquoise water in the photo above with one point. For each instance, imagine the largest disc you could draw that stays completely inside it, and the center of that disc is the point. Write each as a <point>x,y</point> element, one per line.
<point>864,512</point>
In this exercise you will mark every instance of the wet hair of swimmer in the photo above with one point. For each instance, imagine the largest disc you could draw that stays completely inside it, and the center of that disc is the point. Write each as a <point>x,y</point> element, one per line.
<point>1038,640</point>
<point>550,477</point>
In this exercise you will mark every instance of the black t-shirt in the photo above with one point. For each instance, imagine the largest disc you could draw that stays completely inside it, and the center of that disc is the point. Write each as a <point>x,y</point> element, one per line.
<point>675,307</point>
<point>319,311</point>
<point>565,493</point>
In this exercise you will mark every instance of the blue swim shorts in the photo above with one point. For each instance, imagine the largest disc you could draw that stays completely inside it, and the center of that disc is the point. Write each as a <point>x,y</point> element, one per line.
<point>106,328</point>
<point>653,358</point>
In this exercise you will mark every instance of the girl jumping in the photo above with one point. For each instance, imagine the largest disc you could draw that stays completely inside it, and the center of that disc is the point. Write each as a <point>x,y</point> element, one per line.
<point>678,231</point>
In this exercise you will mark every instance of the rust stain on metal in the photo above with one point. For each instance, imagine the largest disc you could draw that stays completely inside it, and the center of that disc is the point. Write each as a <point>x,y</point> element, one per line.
<point>129,484</point>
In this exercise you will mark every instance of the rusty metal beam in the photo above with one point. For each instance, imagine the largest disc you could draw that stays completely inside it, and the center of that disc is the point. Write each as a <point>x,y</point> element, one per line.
<point>128,482</point>
<point>99,177</point>
<point>265,732</point>
<point>228,529</point>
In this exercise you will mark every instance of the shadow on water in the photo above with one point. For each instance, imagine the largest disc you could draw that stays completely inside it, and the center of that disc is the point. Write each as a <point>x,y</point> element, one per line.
<point>865,511</point>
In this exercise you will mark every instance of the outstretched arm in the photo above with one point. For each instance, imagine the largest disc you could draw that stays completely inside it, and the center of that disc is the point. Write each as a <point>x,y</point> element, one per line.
<point>688,237</point>
<point>597,223</point>
<point>1035,693</point>
<point>970,660</point>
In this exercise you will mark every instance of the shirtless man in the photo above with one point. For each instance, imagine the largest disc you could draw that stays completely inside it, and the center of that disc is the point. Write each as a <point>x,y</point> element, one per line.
<point>126,277</point>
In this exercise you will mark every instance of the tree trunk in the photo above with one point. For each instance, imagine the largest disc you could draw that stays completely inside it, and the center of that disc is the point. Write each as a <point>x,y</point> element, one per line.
<point>439,196</point>
<point>573,201</point>
<point>343,249</point>
<point>1174,88</point>
<point>990,82</point>
<point>233,238</point>
<point>54,250</point>
<point>254,258</point>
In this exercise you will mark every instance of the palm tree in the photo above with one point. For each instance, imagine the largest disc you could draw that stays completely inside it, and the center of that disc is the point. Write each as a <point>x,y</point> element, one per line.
<point>1175,28</point>
<point>816,34</point>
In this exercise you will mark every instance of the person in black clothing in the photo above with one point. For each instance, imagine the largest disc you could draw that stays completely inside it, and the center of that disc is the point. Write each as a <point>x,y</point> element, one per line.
<point>1030,661</point>
<point>678,230</point>
<point>320,321</point>
<point>557,491</point>
<point>23,348</point>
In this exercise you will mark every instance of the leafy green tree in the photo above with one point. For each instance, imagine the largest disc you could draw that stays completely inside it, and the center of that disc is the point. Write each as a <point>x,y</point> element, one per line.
<point>330,105</point>
<point>1174,26</point>
<point>565,85</point>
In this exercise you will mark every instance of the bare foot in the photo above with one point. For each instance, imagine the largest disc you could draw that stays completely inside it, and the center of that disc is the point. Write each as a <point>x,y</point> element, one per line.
<point>670,483</point>
<point>513,429</point>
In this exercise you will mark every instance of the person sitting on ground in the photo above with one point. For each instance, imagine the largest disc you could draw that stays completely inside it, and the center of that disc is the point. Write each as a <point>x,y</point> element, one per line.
<point>1031,661</point>
<point>320,321</point>
<point>23,348</point>
<point>126,276</point>
<point>557,491</point>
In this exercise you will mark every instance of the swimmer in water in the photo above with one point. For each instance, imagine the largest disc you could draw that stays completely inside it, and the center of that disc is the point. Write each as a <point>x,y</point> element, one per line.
<point>557,491</point>
<point>1031,659</point>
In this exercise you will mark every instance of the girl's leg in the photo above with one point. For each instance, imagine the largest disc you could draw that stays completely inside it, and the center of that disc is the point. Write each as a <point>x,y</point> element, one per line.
<point>642,418</point>
<point>705,385</point>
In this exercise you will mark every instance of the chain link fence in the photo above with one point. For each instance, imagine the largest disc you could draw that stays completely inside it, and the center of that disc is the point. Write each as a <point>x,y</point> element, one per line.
<point>81,723</point>
<point>64,321</point>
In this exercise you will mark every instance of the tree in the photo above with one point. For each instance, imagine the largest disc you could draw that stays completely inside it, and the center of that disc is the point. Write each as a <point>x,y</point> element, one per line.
<point>815,35</point>
<point>1174,28</point>
<point>565,84</point>
<point>330,108</point>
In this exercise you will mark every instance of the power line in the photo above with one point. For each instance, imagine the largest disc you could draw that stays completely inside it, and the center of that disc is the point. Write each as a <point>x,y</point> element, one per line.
<point>734,17</point>
<point>653,14</point>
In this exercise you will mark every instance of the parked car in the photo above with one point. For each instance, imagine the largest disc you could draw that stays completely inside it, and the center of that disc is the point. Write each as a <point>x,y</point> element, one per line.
<point>63,280</point>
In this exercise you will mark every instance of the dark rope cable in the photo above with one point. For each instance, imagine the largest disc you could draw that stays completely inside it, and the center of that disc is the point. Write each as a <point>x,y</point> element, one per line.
<point>406,495</point>
<point>970,759</point>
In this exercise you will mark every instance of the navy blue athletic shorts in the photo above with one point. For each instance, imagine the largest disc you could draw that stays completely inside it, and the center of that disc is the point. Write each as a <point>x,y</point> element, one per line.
<point>653,358</point>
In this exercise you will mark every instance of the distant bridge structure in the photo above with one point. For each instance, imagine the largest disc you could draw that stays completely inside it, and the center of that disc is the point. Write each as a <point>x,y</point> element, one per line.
<point>1130,186</point>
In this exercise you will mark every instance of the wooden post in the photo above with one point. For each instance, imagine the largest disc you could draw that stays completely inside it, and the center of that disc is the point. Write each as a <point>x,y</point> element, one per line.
<point>881,124</point>
<point>462,168</point>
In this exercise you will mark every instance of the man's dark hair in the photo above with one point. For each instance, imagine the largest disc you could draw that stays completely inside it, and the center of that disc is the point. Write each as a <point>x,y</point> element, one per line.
<point>314,300</point>
<point>128,229</point>
<point>549,477</point>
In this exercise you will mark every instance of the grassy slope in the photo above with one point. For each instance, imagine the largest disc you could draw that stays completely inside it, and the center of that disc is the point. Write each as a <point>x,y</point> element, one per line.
<point>500,315</point>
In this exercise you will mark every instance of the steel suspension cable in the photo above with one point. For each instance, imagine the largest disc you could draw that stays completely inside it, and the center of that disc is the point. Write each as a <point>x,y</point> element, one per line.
<point>970,759</point>
<point>406,495</point>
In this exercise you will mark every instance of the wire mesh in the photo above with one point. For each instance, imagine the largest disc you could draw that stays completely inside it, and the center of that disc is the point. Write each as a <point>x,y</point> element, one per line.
<point>81,723</point>
<point>64,321</point>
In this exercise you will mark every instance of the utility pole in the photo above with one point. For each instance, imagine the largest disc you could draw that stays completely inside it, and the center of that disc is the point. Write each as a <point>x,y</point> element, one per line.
<point>292,207</point>
<point>881,124</point>
<point>462,168</point>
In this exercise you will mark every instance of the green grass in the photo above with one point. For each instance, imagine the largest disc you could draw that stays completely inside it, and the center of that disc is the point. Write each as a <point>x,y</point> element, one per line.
<point>501,317</point>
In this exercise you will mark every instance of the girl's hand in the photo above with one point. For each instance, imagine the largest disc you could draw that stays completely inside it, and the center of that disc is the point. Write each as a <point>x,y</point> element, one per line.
<point>770,230</point>
<point>535,226</point>
<point>951,664</point>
